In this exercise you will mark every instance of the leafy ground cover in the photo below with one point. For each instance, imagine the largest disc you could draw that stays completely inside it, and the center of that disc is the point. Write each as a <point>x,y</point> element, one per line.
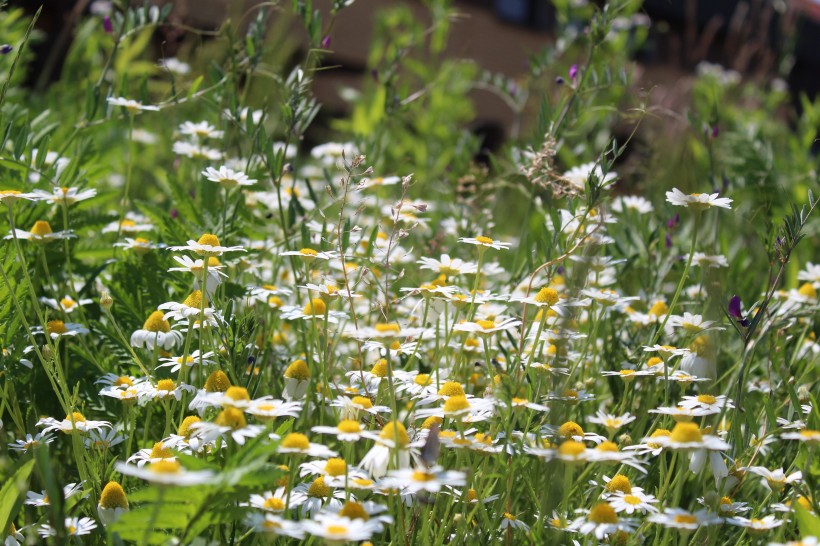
<point>215,332</point>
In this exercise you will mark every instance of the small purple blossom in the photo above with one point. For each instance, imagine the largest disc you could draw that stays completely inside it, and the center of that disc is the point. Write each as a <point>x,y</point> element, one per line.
<point>573,72</point>
<point>672,222</point>
<point>715,130</point>
<point>736,313</point>
<point>326,42</point>
<point>668,241</point>
<point>5,49</point>
<point>559,80</point>
<point>109,28</point>
<point>174,213</point>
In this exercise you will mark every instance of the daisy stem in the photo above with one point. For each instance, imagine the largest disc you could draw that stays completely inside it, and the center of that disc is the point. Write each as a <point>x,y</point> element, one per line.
<point>154,514</point>
<point>487,358</point>
<point>183,371</point>
<point>69,283</point>
<point>659,332</point>
<point>128,170</point>
<point>471,313</point>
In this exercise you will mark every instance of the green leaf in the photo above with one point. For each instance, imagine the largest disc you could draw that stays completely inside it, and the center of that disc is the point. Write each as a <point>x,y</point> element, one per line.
<point>808,523</point>
<point>11,495</point>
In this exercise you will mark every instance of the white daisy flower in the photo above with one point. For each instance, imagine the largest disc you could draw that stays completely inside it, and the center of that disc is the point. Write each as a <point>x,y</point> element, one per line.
<point>64,195</point>
<point>678,518</point>
<point>73,527</point>
<point>23,445</point>
<point>484,243</point>
<point>41,499</point>
<point>167,473</point>
<point>448,266</point>
<point>775,480</point>
<point>227,178</point>
<point>578,176</point>
<point>697,201</point>
<point>41,233</point>
<point>131,105</point>
<point>67,304</point>
<point>72,423</point>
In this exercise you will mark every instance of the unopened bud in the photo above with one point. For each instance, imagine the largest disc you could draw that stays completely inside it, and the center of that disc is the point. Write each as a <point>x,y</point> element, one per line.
<point>106,301</point>
<point>46,351</point>
<point>803,393</point>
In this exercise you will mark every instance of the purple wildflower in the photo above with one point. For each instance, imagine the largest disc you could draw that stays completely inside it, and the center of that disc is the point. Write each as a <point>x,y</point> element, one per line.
<point>109,28</point>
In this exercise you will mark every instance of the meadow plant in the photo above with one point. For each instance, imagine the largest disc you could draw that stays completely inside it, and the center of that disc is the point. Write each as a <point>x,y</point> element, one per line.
<point>224,324</point>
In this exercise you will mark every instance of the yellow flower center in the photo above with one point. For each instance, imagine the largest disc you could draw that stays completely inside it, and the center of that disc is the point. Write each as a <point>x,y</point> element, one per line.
<point>113,496</point>
<point>41,228</point>
<point>159,451</point>
<point>296,440</point>
<point>685,518</point>
<point>430,421</point>
<point>354,510</point>
<point>685,433</point>
<point>395,432</point>
<point>570,429</point>
<point>336,467</point>
<point>422,476</point>
<point>485,324</point>
<point>237,393</point>
<point>56,327</point>
<point>607,446</point>
<point>194,300</point>
<point>231,417</point>
<point>509,516</point>
<point>208,239</point>
<point>659,308</point>
<point>379,369</point>
<point>422,379</point>
<point>384,328</point>
<point>808,291</point>
<point>298,369</point>
<point>484,240</point>
<point>362,401</point>
<point>185,427</point>
<point>451,388</point>
<point>547,295</point>
<point>165,467</point>
<point>77,417</point>
<point>314,307</point>
<point>456,404</point>
<point>707,399</point>
<point>571,448</point>
<point>349,426</point>
<point>318,488</point>
<point>336,530</point>
<point>274,504</point>
<point>308,252</point>
<point>67,303</point>
<point>619,482</point>
<point>165,385</point>
<point>123,381</point>
<point>156,323</point>
<point>217,382</point>
<point>602,513</point>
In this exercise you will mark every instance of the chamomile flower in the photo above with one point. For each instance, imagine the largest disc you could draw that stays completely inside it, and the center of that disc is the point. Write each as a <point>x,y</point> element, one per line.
<point>611,422</point>
<point>156,331</point>
<point>132,223</point>
<point>41,499</point>
<point>131,106</point>
<point>298,444</point>
<point>577,176</point>
<point>167,473</point>
<point>756,525</point>
<point>267,408</point>
<point>74,527</point>
<point>708,402</point>
<point>448,266</point>
<point>113,503</point>
<point>705,260</point>
<point>806,436</point>
<point>57,329</point>
<point>41,233</point>
<point>66,304</point>
<point>393,445</point>
<point>337,530</point>
<point>697,201</point>
<point>275,525</point>
<point>633,501</point>
<point>484,243</point>
<point>314,309</point>
<point>8,197</point>
<point>103,439</point>
<point>227,178</point>
<point>23,445</point>
<point>270,501</point>
<point>775,480</point>
<point>176,362</point>
<point>200,130</point>
<point>312,497</point>
<point>487,327</point>
<point>430,480</point>
<point>64,195</point>
<point>601,521</point>
<point>208,245</point>
<point>693,324</point>
<point>637,203</point>
<point>229,423</point>
<point>309,254</point>
<point>678,518</point>
<point>688,436</point>
<point>75,422</point>
<point>348,430</point>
